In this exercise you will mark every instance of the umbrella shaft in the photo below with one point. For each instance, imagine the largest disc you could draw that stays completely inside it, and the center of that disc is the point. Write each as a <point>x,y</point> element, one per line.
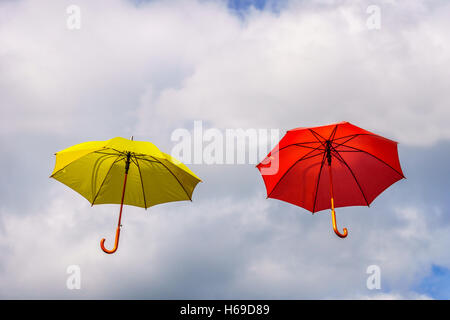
<point>328,152</point>
<point>331,187</point>
<point>123,197</point>
<point>127,167</point>
<point>333,212</point>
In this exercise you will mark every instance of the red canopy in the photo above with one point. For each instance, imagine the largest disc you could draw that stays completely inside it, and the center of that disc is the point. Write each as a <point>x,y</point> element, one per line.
<point>341,161</point>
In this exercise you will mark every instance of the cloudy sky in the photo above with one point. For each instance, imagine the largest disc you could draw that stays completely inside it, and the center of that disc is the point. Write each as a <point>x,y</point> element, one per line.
<point>147,68</point>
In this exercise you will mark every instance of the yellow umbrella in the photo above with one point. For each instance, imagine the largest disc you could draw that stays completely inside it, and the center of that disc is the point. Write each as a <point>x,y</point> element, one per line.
<point>101,171</point>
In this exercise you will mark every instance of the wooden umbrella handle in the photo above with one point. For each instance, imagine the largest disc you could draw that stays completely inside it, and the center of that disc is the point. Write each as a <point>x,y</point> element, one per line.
<point>333,216</point>
<point>116,243</point>
<point>333,212</point>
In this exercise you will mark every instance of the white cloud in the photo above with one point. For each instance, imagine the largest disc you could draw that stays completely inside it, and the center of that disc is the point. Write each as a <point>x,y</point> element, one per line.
<point>214,248</point>
<point>183,60</point>
<point>395,296</point>
<point>311,65</point>
<point>148,69</point>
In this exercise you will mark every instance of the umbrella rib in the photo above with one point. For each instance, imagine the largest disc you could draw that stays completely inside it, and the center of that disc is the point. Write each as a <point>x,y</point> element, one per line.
<point>98,162</point>
<point>347,136</point>
<point>142,182</point>
<point>106,153</point>
<point>318,180</point>
<point>104,179</point>
<point>356,135</point>
<point>306,142</point>
<point>321,167</point>
<point>158,161</point>
<point>353,174</point>
<point>370,154</point>
<point>295,145</point>
<point>148,160</point>
<point>118,151</point>
<point>351,137</point>
<point>344,143</point>
<point>343,137</point>
<point>287,171</point>
<point>333,133</point>
<point>72,162</point>
<point>315,134</point>
<point>299,145</point>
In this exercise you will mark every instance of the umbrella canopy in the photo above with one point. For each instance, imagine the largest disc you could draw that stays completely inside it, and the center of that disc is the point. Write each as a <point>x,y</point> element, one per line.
<point>123,171</point>
<point>330,166</point>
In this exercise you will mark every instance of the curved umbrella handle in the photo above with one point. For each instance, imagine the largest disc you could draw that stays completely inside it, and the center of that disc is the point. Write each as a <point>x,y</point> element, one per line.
<point>333,213</point>
<point>116,243</point>
<point>341,235</point>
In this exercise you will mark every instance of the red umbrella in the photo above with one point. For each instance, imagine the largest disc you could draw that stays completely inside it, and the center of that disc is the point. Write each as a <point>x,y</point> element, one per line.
<point>331,166</point>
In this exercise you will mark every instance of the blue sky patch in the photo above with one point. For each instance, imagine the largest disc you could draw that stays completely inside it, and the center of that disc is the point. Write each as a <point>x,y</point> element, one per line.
<point>242,6</point>
<point>437,284</point>
<point>245,4</point>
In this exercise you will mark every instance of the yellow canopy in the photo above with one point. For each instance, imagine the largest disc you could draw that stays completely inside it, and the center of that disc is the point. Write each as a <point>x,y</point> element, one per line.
<point>96,171</point>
